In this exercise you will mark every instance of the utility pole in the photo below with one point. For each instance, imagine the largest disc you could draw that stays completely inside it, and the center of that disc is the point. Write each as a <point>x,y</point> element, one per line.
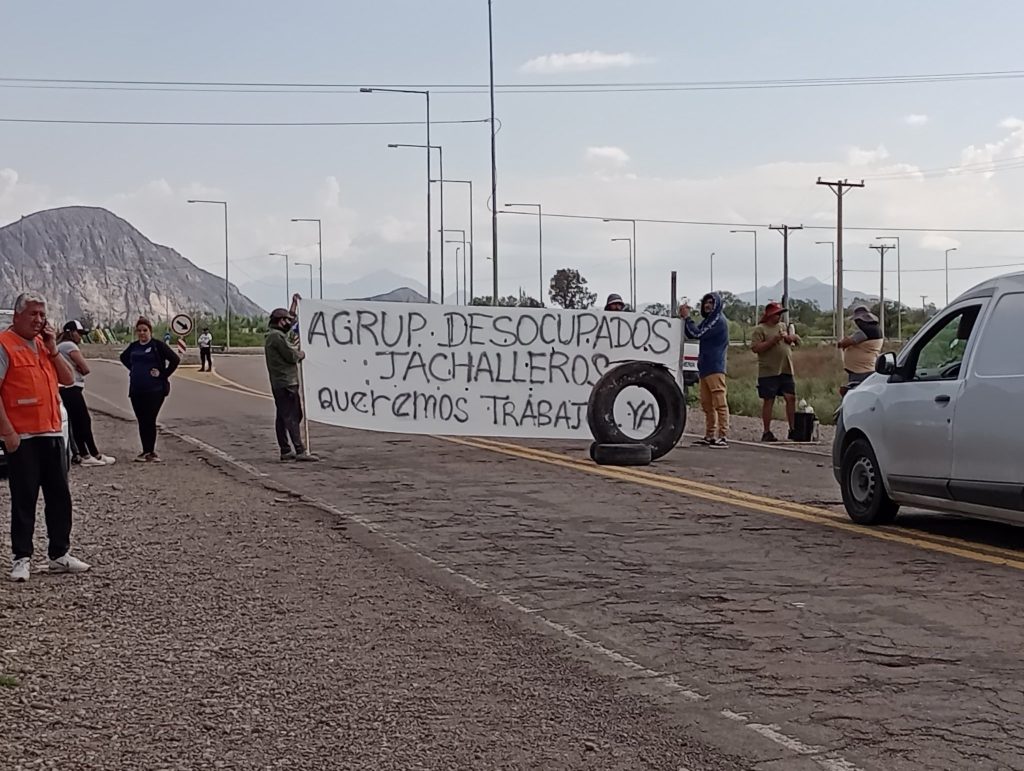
<point>494,160</point>
<point>840,188</point>
<point>785,229</point>
<point>881,249</point>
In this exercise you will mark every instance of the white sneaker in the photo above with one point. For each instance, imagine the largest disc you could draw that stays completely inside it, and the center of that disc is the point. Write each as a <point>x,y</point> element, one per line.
<point>88,460</point>
<point>68,564</point>
<point>107,460</point>
<point>20,569</point>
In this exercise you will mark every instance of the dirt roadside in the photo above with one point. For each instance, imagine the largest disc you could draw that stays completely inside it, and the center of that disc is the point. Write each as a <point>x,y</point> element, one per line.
<point>228,626</point>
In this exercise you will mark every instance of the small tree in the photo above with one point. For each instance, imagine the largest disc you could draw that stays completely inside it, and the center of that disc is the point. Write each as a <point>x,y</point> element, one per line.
<point>569,290</point>
<point>511,301</point>
<point>658,309</point>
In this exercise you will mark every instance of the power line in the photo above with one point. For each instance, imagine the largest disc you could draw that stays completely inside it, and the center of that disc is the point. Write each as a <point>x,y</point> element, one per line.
<point>939,270</point>
<point>570,87</point>
<point>63,121</point>
<point>764,226</point>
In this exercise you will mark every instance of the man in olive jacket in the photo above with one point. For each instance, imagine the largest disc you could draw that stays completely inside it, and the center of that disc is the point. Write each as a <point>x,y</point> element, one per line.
<point>283,368</point>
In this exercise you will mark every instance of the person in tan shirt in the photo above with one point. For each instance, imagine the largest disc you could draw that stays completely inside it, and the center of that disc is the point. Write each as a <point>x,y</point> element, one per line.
<point>773,343</point>
<point>863,346</point>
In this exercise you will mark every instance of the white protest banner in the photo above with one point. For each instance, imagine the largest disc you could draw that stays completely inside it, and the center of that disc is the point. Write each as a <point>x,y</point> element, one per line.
<point>474,370</point>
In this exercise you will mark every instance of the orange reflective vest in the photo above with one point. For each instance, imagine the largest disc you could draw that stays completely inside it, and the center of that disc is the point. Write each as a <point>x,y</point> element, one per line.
<point>29,391</point>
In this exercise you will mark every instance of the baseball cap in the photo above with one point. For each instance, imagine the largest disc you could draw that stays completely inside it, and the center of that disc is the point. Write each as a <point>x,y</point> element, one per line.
<point>74,326</point>
<point>770,310</point>
<point>613,298</point>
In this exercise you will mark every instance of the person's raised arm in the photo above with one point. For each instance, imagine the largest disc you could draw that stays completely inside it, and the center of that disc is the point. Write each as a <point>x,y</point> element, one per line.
<point>65,375</point>
<point>761,343</point>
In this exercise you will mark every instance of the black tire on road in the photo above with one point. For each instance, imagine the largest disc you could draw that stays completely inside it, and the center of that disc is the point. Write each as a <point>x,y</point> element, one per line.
<point>860,479</point>
<point>656,380</point>
<point>631,454</point>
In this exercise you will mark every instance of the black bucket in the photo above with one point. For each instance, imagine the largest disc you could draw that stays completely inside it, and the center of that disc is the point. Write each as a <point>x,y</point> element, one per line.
<point>803,427</point>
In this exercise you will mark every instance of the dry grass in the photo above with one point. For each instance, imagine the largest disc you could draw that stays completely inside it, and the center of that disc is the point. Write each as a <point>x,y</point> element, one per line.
<point>818,370</point>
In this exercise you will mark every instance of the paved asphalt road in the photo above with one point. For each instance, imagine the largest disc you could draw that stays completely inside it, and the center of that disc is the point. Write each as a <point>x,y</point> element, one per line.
<point>725,586</point>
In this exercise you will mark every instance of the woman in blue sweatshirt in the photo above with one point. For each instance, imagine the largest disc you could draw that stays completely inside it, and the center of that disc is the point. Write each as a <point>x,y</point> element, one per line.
<point>150,363</point>
<point>713,335</point>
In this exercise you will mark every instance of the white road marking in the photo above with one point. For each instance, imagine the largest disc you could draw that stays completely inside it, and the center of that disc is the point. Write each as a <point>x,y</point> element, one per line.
<point>829,761</point>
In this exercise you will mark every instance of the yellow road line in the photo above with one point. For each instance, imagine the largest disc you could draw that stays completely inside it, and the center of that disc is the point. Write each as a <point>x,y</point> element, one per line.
<point>744,497</point>
<point>729,497</point>
<point>931,542</point>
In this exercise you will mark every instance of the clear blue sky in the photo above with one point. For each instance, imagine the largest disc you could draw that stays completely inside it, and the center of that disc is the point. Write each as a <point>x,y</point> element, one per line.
<point>743,155</point>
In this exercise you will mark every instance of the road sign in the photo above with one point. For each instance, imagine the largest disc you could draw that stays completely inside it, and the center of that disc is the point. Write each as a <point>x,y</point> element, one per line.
<point>181,346</point>
<point>181,324</point>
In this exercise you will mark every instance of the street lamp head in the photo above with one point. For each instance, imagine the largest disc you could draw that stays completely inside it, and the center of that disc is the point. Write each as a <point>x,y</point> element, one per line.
<point>191,201</point>
<point>366,91</point>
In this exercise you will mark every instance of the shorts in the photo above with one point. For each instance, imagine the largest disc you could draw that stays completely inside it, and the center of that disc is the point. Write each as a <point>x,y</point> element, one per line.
<point>776,385</point>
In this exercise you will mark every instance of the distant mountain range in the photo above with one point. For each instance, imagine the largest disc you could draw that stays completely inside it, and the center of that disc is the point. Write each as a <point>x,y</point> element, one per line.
<point>88,262</point>
<point>810,290</point>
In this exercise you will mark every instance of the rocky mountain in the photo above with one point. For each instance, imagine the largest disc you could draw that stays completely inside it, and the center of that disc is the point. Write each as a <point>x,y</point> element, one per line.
<point>401,295</point>
<point>808,289</point>
<point>89,262</point>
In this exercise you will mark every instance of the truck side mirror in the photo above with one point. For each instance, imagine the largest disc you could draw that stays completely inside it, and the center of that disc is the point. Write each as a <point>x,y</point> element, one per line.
<point>886,364</point>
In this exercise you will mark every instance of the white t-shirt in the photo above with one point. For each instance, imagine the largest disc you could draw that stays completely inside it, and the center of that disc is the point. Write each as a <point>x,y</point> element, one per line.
<point>65,349</point>
<point>205,340</point>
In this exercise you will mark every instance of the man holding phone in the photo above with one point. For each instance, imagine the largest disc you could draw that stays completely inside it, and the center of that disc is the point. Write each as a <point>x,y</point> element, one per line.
<point>31,368</point>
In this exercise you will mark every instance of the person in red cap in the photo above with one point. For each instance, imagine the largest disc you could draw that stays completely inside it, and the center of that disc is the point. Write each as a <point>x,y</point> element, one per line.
<point>773,343</point>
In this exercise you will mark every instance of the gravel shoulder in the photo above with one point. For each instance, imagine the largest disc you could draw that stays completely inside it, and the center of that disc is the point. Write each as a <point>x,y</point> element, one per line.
<point>225,625</point>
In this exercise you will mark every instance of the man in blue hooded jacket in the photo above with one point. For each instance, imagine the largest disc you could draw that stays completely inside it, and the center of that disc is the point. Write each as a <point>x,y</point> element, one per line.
<point>713,336</point>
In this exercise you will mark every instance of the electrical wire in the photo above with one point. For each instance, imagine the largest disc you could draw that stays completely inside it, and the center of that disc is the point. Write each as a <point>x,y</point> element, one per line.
<point>236,123</point>
<point>567,87</point>
<point>558,215</point>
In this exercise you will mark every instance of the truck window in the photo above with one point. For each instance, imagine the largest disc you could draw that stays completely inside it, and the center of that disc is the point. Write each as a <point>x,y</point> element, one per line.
<point>939,356</point>
<point>1001,347</point>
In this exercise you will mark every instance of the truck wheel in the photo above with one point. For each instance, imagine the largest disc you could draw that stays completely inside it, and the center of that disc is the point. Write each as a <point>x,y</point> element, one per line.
<point>860,479</point>
<point>656,380</point>
<point>620,454</point>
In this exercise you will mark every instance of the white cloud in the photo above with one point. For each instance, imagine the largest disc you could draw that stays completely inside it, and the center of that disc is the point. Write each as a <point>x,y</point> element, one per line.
<point>858,156</point>
<point>607,154</point>
<point>582,61</point>
<point>916,119</point>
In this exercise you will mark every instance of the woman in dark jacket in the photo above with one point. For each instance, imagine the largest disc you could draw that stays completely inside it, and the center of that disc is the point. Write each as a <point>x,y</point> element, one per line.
<point>150,363</point>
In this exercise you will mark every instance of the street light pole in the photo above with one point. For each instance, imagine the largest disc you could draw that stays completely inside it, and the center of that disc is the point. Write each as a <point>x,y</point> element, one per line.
<point>287,288</point>
<point>947,272</point>
<point>430,269</point>
<point>629,261</point>
<point>463,233</point>
<point>310,266</point>
<point>320,247</point>
<point>899,285</point>
<point>472,248</point>
<point>540,241</point>
<point>756,303</point>
<point>494,160</point>
<point>227,284</point>
<point>712,263</point>
<point>881,249</point>
<point>632,258</point>
<point>836,323</point>
<point>440,155</point>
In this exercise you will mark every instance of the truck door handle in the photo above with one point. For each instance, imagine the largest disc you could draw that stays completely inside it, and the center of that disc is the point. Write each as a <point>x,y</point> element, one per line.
<point>942,399</point>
